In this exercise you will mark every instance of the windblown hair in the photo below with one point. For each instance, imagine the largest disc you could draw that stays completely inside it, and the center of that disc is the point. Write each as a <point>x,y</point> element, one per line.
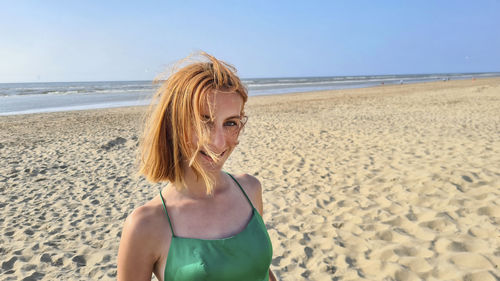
<point>175,115</point>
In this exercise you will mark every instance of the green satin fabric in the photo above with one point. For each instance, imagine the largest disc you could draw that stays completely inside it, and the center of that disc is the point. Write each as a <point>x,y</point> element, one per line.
<point>245,256</point>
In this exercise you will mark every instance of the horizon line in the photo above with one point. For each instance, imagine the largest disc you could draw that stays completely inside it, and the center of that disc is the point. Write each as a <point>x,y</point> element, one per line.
<point>275,77</point>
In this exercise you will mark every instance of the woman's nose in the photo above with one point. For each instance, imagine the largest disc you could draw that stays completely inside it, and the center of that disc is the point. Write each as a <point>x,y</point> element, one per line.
<point>218,139</point>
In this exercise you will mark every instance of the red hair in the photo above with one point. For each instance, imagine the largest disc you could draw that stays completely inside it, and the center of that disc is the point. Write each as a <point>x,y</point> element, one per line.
<point>166,143</point>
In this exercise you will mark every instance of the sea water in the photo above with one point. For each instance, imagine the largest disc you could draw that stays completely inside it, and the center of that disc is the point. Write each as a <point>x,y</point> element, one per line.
<point>26,98</point>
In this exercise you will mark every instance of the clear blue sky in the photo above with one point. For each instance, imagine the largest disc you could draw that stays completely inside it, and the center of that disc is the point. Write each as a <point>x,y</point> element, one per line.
<point>136,40</point>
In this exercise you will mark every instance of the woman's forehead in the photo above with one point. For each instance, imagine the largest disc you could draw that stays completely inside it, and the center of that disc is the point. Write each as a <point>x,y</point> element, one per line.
<point>219,101</point>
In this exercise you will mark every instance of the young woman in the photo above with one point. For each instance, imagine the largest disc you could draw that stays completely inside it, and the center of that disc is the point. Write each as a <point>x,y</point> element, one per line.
<point>206,224</point>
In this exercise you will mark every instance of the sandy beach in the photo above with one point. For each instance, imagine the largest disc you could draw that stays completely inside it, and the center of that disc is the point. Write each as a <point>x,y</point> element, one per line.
<point>397,182</point>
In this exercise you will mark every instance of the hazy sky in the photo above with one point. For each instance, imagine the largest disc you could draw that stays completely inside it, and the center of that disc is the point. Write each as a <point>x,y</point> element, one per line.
<point>136,40</point>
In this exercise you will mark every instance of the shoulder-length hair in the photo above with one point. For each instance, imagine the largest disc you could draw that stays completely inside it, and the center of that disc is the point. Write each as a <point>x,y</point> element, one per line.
<point>175,115</point>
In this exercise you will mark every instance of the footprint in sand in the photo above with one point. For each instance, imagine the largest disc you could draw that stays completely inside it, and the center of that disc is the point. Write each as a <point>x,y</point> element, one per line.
<point>479,232</point>
<point>480,276</point>
<point>7,265</point>
<point>385,235</point>
<point>490,211</point>
<point>411,215</point>
<point>457,247</point>
<point>276,261</point>
<point>405,251</point>
<point>471,261</point>
<point>46,258</point>
<point>309,252</point>
<point>112,143</point>
<point>35,276</point>
<point>466,178</point>
<point>79,260</point>
<point>439,225</point>
<point>305,239</point>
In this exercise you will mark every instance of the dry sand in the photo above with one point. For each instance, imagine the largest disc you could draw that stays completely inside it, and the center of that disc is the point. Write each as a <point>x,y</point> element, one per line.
<point>387,183</point>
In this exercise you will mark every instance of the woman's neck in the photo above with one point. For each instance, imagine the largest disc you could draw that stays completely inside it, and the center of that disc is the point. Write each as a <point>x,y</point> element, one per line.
<point>196,187</point>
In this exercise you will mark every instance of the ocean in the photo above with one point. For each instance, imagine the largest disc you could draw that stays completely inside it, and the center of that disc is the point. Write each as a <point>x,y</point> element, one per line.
<point>27,98</point>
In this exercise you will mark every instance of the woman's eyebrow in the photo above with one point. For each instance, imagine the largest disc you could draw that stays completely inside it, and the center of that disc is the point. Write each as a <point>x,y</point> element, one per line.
<point>233,117</point>
<point>206,116</point>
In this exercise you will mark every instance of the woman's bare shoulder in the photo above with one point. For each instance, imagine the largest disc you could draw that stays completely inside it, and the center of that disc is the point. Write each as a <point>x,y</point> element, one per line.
<point>142,242</point>
<point>253,188</point>
<point>147,223</point>
<point>250,183</point>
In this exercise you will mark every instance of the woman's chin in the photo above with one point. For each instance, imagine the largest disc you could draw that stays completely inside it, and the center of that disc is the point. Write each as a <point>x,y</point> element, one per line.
<point>209,164</point>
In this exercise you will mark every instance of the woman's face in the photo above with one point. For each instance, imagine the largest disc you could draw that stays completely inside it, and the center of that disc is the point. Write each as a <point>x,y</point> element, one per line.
<point>223,126</point>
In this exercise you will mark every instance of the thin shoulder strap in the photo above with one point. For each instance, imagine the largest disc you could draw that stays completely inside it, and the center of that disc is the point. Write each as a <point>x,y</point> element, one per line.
<point>168,217</point>
<point>241,189</point>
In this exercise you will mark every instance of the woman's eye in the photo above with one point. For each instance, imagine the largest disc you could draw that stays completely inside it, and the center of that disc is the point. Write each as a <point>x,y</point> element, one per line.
<point>231,123</point>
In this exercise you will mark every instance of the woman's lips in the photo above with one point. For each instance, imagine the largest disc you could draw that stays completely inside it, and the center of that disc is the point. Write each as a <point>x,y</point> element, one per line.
<point>210,158</point>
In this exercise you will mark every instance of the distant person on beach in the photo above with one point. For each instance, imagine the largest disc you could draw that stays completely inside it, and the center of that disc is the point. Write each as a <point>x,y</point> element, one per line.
<point>205,224</point>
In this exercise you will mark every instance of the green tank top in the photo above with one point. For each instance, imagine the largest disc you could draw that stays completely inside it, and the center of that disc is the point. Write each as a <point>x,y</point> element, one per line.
<point>245,256</point>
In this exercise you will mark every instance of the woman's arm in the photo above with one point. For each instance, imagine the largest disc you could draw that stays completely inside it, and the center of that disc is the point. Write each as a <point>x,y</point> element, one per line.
<point>271,276</point>
<point>256,188</point>
<point>136,257</point>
